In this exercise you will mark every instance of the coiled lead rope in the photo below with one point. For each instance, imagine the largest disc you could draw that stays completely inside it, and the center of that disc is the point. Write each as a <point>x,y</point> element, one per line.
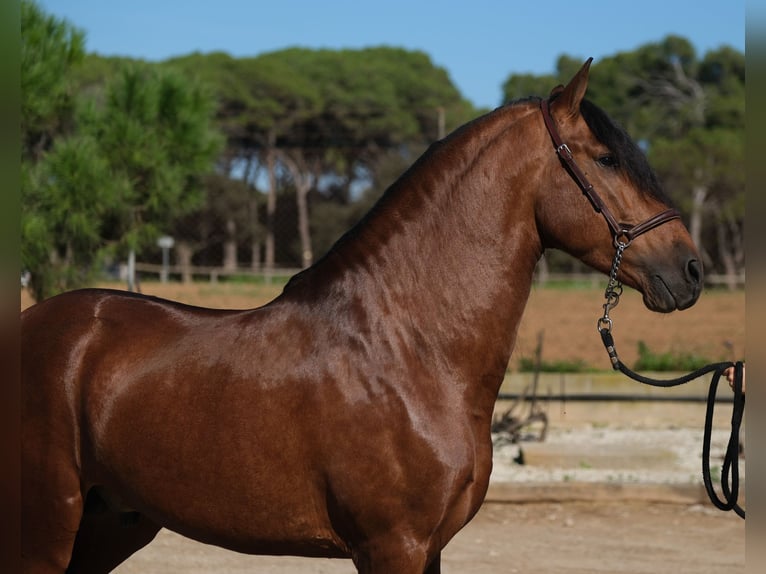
<point>730,469</point>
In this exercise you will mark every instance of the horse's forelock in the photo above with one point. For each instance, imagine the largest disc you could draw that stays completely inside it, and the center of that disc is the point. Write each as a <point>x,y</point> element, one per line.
<point>630,157</point>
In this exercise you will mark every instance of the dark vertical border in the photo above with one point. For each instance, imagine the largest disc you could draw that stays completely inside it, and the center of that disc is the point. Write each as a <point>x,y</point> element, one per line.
<point>10,41</point>
<point>755,297</point>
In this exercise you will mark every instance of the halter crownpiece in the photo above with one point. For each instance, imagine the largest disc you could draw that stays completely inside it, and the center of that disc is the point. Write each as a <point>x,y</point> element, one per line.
<point>619,230</point>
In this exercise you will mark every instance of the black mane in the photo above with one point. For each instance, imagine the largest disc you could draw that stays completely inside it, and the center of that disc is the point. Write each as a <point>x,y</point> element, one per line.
<point>631,159</point>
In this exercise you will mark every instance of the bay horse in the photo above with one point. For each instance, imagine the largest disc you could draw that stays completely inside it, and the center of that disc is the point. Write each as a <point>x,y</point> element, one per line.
<point>349,417</point>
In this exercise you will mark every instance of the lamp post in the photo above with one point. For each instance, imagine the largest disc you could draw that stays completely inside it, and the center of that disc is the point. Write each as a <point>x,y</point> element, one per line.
<point>165,243</point>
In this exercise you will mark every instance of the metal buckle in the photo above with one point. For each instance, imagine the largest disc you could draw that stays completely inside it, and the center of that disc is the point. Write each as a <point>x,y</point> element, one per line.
<point>564,148</point>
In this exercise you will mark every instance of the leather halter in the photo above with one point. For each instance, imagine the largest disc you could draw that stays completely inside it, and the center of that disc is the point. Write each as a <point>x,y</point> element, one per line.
<point>619,230</point>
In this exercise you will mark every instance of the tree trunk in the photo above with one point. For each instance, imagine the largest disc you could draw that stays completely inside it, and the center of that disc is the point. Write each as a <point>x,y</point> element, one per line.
<point>699,194</point>
<point>726,255</point>
<point>736,234</point>
<point>249,176</point>
<point>301,195</point>
<point>230,246</point>
<point>255,261</point>
<point>255,234</point>
<point>184,258</point>
<point>271,206</point>
<point>302,179</point>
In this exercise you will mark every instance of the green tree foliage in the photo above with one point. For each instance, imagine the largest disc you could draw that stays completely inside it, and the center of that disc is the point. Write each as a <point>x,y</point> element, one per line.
<point>315,136</point>
<point>155,131</point>
<point>706,167</point>
<point>365,99</point>
<point>50,48</point>
<point>320,122</point>
<point>66,199</point>
<point>130,162</point>
<point>698,149</point>
<point>519,86</point>
<point>688,113</point>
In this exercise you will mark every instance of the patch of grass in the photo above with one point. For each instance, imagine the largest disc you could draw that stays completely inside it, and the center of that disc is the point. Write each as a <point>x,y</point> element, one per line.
<point>648,360</point>
<point>247,279</point>
<point>527,365</point>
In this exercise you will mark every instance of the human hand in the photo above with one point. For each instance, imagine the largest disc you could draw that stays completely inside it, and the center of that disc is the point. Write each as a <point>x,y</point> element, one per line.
<point>729,374</point>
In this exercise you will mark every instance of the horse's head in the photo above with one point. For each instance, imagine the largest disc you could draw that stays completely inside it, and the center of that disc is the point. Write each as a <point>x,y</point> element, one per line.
<point>604,192</point>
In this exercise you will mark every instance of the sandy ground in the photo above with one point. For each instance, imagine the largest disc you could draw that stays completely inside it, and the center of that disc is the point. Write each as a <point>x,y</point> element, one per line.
<point>549,538</point>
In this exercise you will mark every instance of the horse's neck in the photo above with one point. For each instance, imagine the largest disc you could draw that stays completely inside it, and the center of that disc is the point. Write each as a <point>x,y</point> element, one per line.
<point>449,251</point>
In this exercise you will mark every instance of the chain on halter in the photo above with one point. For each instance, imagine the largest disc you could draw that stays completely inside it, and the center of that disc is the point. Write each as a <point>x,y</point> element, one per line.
<point>613,288</point>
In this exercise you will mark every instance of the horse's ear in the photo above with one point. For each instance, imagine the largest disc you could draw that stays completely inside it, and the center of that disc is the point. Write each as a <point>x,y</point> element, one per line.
<point>557,90</point>
<point>572,94</point>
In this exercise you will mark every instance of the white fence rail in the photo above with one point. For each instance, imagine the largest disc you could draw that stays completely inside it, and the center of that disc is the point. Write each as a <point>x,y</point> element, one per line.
<point>213,274</point>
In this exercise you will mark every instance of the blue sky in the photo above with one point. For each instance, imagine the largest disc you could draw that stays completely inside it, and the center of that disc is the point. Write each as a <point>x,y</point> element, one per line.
<point>479,42</point>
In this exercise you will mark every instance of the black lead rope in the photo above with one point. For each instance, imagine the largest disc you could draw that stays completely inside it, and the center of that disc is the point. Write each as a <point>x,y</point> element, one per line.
<point>730,469</point>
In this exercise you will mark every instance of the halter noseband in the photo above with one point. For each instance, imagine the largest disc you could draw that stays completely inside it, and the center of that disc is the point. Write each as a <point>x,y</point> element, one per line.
<point>619,230</point>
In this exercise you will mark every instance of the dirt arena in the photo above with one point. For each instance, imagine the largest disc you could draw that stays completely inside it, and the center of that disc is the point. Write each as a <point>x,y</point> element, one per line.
<point>619,537</point>
<point>576,527</point>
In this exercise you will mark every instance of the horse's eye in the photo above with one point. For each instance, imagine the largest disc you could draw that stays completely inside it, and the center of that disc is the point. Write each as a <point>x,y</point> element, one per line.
<point>607,160</point>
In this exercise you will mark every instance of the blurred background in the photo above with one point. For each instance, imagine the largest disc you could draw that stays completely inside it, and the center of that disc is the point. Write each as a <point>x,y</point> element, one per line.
<point>206,151</point>
<point>235,143</point>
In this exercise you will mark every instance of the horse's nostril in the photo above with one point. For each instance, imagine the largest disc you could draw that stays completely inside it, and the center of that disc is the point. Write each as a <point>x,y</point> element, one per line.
<point>694,271</point>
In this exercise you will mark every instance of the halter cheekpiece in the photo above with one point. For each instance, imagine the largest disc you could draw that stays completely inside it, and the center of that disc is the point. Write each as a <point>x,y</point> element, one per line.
<point>621,232</point>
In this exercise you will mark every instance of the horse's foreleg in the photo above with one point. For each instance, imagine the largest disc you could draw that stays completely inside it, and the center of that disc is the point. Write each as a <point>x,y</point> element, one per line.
<point>51,511</point>
<point>402,558</point>
<point>436,565</point>
<point>107,538</point>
